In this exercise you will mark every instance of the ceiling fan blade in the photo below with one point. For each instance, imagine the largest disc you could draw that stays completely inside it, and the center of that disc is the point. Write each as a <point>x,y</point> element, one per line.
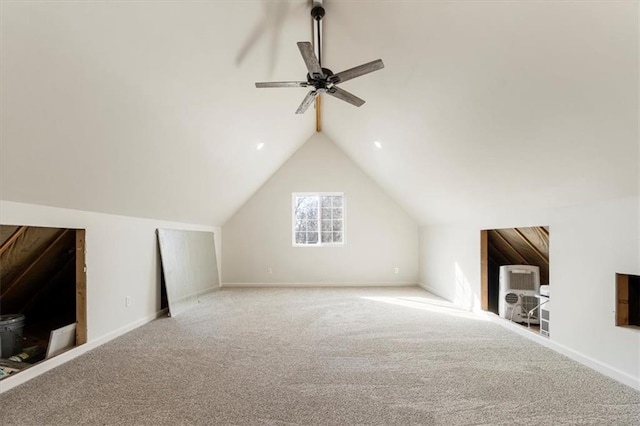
<point>337,92</point>
<point>357,71</point>
<point>282,84</point>
<point>308,100</point>
<point>310,60</point>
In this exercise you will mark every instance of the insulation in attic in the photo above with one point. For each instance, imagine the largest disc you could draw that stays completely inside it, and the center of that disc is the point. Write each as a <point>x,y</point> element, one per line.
<point>38,279</point>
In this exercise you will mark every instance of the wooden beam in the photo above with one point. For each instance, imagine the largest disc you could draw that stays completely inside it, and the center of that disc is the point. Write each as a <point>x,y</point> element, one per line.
<point>484,269</point>
<point>532,246</point>
<point>495,252</point>
<point>81,289</point>
<point>319,113</point>
<point>519,256</point>
<point>27,270</point>
<point>622,299</point>
<point>12,239</point>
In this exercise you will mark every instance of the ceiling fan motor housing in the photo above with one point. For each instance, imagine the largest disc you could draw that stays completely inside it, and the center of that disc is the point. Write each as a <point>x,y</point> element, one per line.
<point>321,82</point>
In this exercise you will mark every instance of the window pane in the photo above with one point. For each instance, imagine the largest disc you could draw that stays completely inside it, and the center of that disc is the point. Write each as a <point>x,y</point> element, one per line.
<point>312,237</point>
<point>312,226</point>
<point>307,207</point>
<point>326,225</point>
<point>312,211</point>
<point>337,201</point>
<point>326,201</point>
<point>326,237</point>
<point>299,225</point>
<point>301,207</point>
<point>337,225</point>
<point>326,213</point>
<point>337,237</point>
<point>337,213</point>
<point>301,237</point>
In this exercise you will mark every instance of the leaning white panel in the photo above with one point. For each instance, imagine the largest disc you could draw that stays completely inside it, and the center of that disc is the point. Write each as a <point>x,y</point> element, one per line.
<point>189,266</point>
<point>61,340</point>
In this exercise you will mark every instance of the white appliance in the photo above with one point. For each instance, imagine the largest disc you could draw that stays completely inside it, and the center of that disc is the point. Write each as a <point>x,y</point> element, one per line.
<point>519,285</point>
<point>545,310</point>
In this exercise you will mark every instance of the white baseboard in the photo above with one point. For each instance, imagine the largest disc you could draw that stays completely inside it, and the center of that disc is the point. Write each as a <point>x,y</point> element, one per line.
<point>432,290</point>
<point>311,285</point>
<point>51,363</point>
<point>600,367</point>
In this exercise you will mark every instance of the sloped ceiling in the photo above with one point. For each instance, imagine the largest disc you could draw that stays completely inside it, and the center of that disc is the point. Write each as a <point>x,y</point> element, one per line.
<point>148,108</point>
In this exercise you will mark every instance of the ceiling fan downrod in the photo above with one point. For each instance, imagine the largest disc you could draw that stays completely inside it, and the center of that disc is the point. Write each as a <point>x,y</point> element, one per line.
<point>317,12</point>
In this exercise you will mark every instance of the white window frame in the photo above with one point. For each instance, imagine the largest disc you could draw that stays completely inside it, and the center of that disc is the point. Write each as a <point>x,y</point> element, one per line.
<point>319,195</point>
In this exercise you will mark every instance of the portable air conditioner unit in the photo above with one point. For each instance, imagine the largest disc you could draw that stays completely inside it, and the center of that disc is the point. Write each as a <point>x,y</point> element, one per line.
<point>519,285</point>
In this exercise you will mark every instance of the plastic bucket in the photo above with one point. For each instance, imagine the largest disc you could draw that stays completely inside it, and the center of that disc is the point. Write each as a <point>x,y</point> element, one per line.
<point>11,335</point>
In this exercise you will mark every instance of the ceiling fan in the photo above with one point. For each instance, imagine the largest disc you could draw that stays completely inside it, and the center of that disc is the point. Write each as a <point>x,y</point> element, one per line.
<point>323,80</point>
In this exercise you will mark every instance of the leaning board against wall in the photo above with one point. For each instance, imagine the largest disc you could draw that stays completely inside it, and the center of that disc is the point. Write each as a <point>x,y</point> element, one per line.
<point>189,266</point>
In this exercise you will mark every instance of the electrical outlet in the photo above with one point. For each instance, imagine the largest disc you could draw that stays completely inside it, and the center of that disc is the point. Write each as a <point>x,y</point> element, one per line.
<point>127,301</point>
<point>269,270</point>
<point>396,270</point>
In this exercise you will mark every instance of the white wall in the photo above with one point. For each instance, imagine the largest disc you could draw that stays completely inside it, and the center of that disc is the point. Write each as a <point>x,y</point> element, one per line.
<point>588,245</point>
<point>380,236</point>
<point>121,257</point>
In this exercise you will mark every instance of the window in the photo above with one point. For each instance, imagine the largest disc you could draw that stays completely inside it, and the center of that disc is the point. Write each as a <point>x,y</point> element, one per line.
<point>318,219</point>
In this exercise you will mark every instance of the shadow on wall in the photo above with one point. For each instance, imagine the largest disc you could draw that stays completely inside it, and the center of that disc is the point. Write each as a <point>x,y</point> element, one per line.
<point>269,30</point>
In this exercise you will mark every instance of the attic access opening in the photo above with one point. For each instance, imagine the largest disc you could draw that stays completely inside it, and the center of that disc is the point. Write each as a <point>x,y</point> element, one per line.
<point>516,246</point>
<point>628,300</point>
<point>43,278</point>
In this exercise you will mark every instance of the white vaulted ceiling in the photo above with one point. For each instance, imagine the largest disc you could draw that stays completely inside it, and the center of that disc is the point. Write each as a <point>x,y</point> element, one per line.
<point>148,108</point>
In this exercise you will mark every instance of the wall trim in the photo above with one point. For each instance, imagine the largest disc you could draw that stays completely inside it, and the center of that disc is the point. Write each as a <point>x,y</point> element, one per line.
<point>309,285</point>
<point>49,364</point>
<point>600,367</point>
<point>433,291</point>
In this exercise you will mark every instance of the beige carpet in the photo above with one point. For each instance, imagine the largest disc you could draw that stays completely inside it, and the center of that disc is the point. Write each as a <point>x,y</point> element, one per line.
<point>321,356</point>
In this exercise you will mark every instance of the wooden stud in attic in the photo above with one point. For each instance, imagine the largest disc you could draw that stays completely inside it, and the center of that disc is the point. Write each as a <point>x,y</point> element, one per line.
<point>622,300</point>
<point>484,271</point>
<point>12,239</point>
<point>531,246</point>
<point>544,231</point>
<point>45,256</point>
<point>81,289</point>
<point>502,259</point>
<point>504,241</point>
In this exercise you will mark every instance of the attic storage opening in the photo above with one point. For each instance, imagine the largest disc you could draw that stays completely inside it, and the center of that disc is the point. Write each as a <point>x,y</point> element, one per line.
<point>628,301</point>
<point>43,287</point>
<point>515,275</point>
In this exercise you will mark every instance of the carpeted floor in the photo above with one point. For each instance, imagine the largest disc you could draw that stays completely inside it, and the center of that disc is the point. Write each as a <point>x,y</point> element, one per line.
<point>321,356</point>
